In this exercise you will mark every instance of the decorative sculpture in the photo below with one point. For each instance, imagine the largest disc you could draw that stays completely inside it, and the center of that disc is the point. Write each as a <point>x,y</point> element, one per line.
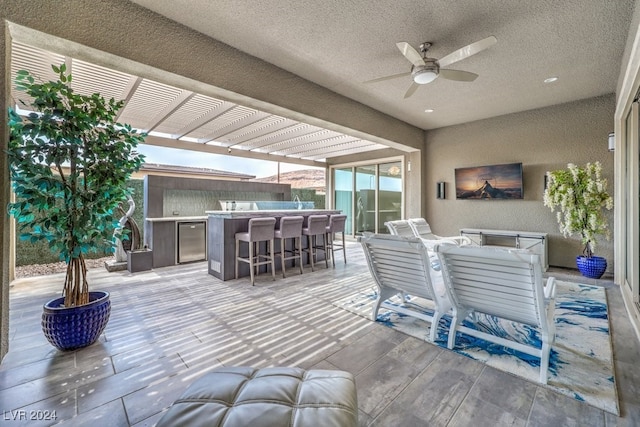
<point>133,241</point>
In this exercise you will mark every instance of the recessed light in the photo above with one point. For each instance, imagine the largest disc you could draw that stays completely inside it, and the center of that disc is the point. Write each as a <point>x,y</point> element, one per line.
<point>428,110</point>
<point>550,80</point>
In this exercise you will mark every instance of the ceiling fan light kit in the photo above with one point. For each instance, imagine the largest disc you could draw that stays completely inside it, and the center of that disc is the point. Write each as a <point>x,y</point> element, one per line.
<point>426,70</point>
<point>423,74</point>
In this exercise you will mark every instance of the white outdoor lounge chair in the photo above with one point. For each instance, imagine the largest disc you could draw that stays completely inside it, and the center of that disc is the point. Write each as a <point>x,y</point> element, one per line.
<point>421,228</point>
<point>400,227</point>
<point>505,283</point>
<point>400,266</point>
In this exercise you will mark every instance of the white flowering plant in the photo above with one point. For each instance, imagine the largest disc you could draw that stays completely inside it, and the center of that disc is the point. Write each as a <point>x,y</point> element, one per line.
<point>580,196</point>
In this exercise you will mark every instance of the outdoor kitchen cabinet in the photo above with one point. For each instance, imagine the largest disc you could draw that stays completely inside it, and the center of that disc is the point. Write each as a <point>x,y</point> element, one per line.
<point>161,235</point>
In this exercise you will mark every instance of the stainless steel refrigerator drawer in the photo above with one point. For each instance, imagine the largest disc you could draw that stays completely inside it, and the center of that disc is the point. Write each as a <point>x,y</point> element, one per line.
<point>192,238</point>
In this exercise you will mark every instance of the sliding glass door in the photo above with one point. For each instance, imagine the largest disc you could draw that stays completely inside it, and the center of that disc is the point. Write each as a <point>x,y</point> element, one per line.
<point>369,194</point>
<point>389,194</point>
<point>366,182</point>
<point>343,194</point>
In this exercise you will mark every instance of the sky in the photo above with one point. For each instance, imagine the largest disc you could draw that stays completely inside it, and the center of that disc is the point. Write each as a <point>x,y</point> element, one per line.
<point>172,156</point>
<point>500,176</point>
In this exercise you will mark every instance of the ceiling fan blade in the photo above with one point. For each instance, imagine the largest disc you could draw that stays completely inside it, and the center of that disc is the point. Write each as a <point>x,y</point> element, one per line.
<point>414,86</point>
<point>393,76</point>
<point>467,51</point>
<point>457,75</point>
<point>410,53</point>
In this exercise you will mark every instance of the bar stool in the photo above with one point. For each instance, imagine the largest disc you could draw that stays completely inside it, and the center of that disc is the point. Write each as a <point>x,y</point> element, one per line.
<point>336,225</point>
<point>290,228</point>
<point>260,230</point>
<point>316,226</point>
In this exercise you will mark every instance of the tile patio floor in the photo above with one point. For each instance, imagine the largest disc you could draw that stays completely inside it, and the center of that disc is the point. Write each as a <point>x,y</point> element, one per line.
<point>171,325</point>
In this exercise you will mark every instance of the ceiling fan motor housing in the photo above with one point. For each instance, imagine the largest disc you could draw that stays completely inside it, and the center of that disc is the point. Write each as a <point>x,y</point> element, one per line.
<point>423,74</point>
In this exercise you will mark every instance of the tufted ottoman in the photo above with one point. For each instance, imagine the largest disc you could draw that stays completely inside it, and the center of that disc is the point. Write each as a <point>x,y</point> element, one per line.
<point>270,397</point>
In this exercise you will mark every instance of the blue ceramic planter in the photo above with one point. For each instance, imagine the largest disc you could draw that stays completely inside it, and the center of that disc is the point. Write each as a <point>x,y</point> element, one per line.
<point>592,267</point>
<point>69,328</point>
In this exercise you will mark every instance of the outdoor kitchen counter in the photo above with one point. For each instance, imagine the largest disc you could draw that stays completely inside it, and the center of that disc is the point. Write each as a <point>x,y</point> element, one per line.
<point>177,219</point>
<point>222,227</point>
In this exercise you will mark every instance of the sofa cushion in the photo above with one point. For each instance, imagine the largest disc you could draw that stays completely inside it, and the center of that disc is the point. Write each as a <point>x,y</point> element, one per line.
<point>269,397</point>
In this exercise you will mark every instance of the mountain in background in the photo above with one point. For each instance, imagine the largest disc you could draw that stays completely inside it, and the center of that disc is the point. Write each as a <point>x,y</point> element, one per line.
<point>487,191</point>
<point>306,178</point>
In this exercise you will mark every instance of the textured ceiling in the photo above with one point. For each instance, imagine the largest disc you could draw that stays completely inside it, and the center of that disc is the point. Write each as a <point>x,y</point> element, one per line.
<point>340,44</point>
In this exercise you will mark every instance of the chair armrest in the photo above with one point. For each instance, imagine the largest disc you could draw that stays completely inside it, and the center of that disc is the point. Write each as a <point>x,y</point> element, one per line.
<point>464,240</point>
<point>550,288</point>
<point>456,240</point>
<point>430,243</point>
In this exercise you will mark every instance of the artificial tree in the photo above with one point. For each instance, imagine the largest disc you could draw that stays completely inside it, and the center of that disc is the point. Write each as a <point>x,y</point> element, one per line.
<point>69,162</point>
<point>580,196</point>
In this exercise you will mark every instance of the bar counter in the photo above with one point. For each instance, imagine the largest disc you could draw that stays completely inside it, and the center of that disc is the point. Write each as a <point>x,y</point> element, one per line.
<point>222,227</point>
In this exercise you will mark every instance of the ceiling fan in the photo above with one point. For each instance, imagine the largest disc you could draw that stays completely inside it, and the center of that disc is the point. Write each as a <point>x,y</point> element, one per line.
<point>425,70</point>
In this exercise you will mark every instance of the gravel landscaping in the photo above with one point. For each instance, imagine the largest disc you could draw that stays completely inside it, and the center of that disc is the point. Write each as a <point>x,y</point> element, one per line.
<point>56,267</point>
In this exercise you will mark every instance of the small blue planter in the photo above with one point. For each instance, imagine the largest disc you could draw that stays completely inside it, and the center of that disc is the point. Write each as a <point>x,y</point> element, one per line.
<point>592,267</point>
<point>69,328</point>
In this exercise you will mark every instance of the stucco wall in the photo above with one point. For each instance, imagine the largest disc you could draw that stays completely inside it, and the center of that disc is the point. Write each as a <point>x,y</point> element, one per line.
<point>543,139</point>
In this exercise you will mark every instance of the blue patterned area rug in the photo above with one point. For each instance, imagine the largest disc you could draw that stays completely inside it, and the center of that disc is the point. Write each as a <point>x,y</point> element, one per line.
<point>580,364</point>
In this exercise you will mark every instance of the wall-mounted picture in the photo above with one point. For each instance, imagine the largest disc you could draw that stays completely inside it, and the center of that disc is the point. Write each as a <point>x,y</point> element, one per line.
<point>490,182</point>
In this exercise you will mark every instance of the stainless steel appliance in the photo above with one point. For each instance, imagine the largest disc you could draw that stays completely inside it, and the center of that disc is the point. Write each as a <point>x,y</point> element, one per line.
<point>192,241</point>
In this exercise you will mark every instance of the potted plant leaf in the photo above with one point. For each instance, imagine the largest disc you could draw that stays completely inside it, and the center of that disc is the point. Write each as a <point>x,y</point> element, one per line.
<point>580,196</point>
<point>69,162</point>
